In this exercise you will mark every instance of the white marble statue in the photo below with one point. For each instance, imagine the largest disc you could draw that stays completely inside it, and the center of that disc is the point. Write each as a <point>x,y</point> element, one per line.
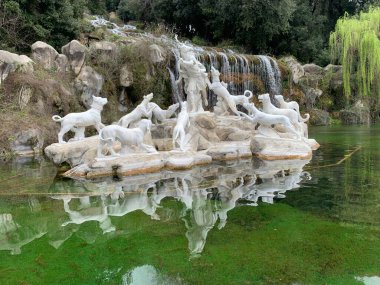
<point>269,108</point>
<point>291,105</point>
<point>196,79</point>
<point>294,106</point>
<point>158,115</point>
<point>267,120</point>
<point>129,138</point>
<point>179,131</point>
<point>230,101</point>
<point>141,111</point>
<point>77,122</point>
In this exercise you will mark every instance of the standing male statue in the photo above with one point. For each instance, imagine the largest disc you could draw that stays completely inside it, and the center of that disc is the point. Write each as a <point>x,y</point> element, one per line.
<point>195,76</point>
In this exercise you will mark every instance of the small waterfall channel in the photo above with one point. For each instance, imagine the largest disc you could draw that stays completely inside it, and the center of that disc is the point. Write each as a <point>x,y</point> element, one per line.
<point>258,73</point>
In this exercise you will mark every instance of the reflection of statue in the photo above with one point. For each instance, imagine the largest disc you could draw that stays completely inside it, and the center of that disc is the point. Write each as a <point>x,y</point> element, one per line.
<point>202,220</point>
<point>194,74</point>
<point>88,213</point>
<point>138,113</point>
<point>77,122</point>
<point>135,201</point>
<point>179,133</point>
<point>127,137</point>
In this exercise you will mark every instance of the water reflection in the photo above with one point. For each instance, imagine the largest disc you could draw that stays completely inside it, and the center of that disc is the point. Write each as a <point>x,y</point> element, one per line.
<point>206,195</point>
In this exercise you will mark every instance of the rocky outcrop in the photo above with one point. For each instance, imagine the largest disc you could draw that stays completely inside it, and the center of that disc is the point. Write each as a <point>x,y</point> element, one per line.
<point>157,53</point>
<point>76,54</point>
<point>126,76</point>
<point>319,117</point>
<point>103,48</point>
<point>28,142</point>
<point>359,114</point>
<point>61,63</point>
<point>89,83</point>
<point>44,54</point>
<point>10,62</point>
<point>295,68</point>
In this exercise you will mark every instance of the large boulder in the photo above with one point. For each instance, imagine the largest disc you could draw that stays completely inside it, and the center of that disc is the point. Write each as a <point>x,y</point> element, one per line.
<point>44,54</point>
<point>157,53</point>
<point>76,54</point>
<point>10,62</point>
<point>311,94</point>
<point>359,114</point>
<point>27,142</point>
<point>319,117</point>
<point>295,67</point>
<point>103,47</point>
<point>61,63</point>
<point>89,82</point>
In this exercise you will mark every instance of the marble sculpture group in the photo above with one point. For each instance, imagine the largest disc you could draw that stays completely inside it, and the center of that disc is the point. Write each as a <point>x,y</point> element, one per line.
<point>133,128</point>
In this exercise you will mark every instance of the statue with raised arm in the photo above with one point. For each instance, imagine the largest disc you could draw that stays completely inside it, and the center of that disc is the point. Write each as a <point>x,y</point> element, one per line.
<point>196,79</point>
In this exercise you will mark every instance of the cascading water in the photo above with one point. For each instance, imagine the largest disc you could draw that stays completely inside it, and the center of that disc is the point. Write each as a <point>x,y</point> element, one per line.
<point>240,71</point>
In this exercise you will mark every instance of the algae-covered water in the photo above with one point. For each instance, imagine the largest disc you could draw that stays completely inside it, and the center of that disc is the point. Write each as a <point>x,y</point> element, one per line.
<point>244,222</point>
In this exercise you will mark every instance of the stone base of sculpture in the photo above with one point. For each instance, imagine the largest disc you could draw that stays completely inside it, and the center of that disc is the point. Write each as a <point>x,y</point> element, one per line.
<point>211,138</point>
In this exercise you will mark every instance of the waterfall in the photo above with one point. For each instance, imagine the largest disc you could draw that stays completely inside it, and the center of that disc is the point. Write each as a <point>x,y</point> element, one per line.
<point>270,74</point>
<point>177,96</point>
<point>258,73</point>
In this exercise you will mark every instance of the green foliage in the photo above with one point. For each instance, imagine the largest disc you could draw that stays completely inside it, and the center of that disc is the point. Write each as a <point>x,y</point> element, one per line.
<point>24,22</point>
<point>355,44</point>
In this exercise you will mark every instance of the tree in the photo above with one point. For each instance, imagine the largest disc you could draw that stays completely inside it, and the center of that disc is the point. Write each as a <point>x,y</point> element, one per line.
<point>355,44</point>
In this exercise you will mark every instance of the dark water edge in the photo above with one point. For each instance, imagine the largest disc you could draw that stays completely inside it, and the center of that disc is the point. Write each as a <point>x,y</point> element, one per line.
<point>313,225</point>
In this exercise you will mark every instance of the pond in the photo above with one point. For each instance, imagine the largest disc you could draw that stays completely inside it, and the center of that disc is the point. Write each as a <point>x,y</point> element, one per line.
<point>239,222</point>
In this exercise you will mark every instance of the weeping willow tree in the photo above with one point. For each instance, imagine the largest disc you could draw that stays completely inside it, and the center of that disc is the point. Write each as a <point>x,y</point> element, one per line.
<point>355,44</point>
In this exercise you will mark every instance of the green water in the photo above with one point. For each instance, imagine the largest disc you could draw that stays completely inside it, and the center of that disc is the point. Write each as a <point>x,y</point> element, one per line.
<point>245,222</point>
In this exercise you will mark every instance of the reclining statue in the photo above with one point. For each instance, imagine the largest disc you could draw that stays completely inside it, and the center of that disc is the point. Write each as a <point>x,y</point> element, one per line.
<point>159,115</point>
<point>77,122</point>
<point>267,120</point>
<point>269,108</point>
<point>127,137</point>
<point>142,110</point>
<point>179,133</point>
<point>291,105</point>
